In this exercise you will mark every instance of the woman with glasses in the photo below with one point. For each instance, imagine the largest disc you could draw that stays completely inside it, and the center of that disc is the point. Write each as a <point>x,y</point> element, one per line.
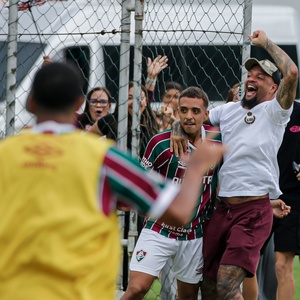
<point>108,125</point>
<point>98,104</point>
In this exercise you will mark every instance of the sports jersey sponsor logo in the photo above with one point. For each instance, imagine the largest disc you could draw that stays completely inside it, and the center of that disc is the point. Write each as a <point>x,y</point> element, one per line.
<point>295,128</point>
<point>177,180</point>
<point>207,179</point>
<point>145,163</point>
<point>177,230</point>
<point>43,150</point>
<point>182,163</point>
<point>140,255</point>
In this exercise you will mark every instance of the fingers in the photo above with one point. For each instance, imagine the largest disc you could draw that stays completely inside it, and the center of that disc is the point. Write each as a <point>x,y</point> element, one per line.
<point>163,62</point>
<point>181,150</point>
<point>174,148</point>
<point>177,146</point>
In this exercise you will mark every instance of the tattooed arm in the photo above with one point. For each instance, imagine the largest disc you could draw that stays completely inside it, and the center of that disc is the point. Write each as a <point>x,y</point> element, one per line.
<point>178,143</point>
<point>286,92</point>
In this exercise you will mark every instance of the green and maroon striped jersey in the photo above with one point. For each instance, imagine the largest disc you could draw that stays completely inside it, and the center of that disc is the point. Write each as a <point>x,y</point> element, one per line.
<point>159,158</point>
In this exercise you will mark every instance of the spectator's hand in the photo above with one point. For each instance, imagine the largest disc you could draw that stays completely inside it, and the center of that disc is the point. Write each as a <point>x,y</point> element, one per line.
<point>259,38</point>
<point>47,60</point>
<point>156,66</point>
<point>178,143</point>
<point>280,209</point>
<point>168,114</point>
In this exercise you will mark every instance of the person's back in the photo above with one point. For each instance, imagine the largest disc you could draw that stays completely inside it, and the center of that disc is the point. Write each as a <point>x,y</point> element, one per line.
<point>58,236</point>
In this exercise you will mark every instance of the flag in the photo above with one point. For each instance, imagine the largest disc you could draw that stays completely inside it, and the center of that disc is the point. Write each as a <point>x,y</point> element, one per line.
<point>25,5</point>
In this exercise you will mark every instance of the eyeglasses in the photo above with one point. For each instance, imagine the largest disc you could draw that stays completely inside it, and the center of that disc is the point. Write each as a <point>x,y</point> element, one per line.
<point>95,102</point>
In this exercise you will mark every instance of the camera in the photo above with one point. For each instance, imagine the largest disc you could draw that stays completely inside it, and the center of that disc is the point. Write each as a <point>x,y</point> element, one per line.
<point>296,168</point>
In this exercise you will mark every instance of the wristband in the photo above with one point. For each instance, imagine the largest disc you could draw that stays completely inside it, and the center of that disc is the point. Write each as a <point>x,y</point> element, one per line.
<point>150,81</point>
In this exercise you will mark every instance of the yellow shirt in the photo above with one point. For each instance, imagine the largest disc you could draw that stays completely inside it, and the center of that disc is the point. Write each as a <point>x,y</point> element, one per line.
<point>55,243</point>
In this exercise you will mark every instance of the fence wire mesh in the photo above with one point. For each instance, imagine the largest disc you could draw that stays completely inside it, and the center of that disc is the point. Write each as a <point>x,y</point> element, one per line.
<point>205,43</point>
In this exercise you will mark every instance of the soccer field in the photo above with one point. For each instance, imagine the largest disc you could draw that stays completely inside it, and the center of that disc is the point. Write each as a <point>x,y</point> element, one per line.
<point>297,277</point>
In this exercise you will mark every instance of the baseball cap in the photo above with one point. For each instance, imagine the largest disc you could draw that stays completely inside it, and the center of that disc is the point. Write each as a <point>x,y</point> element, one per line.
<point>269,68</point>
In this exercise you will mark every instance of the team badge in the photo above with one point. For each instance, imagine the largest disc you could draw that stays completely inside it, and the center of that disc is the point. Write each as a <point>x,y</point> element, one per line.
<point>140,255</point>
<point>249,119</point>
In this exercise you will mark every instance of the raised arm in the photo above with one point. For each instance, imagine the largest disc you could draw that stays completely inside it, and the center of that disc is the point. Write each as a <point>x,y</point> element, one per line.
<point>286,92</point>
<point>205,155</point>
<point>153,69</point>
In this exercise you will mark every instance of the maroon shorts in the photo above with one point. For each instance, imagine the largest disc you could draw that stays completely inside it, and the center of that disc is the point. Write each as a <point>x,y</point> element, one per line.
<point>235,234</point>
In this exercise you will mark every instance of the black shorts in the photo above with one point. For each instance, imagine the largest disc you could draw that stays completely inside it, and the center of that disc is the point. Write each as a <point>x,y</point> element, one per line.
<point>287,232</point>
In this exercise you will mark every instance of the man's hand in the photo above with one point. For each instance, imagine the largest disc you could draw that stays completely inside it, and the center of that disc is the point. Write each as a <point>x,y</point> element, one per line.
<point>178,143</point>
<point>259,38</point>
<point>280,209</point>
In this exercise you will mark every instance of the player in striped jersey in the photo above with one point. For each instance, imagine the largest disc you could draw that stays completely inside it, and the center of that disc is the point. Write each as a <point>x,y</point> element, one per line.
<point>59,191</point>
<point>158,240</point>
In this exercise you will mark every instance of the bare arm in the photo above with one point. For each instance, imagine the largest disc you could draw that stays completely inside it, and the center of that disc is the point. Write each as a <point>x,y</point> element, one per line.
<point>286,92</point>
<point>153,69</point>
<point>182,207</point>
<point>95,129</point>
<point>178,141</point>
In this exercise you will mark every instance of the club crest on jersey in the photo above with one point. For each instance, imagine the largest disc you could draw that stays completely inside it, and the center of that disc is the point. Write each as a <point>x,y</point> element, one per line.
<point>140,255</point>
<point>249,119</point>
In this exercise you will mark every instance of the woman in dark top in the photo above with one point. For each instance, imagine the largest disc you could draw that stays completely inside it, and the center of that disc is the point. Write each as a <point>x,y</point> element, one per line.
<point>97,105</point>
<point>108,125</point>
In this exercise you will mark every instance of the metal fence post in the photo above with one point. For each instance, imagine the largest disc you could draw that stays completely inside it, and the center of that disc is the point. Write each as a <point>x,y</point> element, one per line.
<point>11,67</point>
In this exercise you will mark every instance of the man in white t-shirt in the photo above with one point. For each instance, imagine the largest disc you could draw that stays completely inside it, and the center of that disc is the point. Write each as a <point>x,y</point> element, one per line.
<point>253,129</point>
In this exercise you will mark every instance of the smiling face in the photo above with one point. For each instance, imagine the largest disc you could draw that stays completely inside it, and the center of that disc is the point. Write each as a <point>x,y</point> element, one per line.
<point>130,100</point>
<point>192,113</point>
<point>99,104</point>
<point>259,87</point>
<point>171,97</point>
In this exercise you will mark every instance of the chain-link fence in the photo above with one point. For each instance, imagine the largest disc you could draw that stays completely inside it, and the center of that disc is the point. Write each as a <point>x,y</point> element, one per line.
<point>109,42</point>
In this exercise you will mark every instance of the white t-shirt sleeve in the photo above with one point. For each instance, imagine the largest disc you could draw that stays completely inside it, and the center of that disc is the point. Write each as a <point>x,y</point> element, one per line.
<point>215,115</point>
<point>277,113</point>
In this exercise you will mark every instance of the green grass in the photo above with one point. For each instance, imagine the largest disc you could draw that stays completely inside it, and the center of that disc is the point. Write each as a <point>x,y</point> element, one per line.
<point>154,292</point>
<point>297,277</point>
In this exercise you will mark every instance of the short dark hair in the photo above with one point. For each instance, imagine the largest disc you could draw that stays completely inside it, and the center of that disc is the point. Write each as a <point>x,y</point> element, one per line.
<point>56,86</point>
<point>171,85</point>
<point>195,92</point>
<point>99,88</point>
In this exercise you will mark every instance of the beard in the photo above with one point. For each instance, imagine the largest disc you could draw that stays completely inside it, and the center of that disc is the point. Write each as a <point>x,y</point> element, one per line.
<point>249,103</point>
